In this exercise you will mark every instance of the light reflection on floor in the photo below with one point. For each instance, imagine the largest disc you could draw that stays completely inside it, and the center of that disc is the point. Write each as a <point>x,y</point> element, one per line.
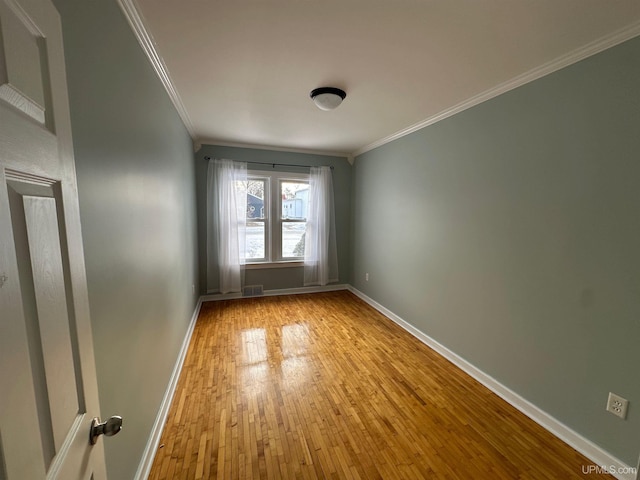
<point>282,358</point>
<point>254,346</point>
<point>295,340</point>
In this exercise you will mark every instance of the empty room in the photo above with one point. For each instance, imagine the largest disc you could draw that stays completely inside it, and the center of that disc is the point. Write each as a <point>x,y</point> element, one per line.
<point>297,239</point>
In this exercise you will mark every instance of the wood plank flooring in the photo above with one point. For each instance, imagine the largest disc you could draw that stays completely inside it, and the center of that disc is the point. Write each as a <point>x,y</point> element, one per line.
<point>324,386</point>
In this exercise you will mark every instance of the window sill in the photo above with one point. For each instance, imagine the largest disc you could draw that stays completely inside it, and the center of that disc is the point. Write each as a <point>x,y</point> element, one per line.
<point>266,265</point>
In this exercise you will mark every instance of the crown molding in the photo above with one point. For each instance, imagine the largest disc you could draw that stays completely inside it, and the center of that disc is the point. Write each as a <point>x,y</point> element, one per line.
<point>137,23</point>
<point>212,142</point>
<point>563,61</point>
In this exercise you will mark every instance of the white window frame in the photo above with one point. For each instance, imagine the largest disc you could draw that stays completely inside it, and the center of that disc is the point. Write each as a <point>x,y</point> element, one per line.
<point>273,219</point>
<point>267,213</point>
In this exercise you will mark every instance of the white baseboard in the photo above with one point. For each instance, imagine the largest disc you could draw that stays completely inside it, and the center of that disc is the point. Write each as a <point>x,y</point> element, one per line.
<point>156,431</point>
<point>593,452</point>
<point>271,293</point>
<point>596,454</point>
<point>144,468</point>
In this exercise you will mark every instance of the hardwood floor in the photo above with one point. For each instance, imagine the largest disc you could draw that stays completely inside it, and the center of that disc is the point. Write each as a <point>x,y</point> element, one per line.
<point>324,386</point>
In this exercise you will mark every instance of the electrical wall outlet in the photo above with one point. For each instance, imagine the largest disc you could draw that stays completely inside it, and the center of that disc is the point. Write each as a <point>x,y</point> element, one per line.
<point>617,405</point>
<point>366,277</point>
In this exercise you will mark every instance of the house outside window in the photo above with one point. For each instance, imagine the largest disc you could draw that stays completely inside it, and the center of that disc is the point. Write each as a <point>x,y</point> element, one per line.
<point>276,217</point>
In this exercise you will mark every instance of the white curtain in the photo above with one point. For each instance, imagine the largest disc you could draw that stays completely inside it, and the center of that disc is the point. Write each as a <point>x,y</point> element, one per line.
<point>226,223</point>
<point>320,251</point>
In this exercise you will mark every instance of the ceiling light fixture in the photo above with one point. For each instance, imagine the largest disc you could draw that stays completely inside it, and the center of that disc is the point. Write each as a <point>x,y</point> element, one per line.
<point>327,98</point>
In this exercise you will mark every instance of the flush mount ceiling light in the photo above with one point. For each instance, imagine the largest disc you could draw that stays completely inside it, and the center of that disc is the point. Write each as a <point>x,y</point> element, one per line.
<point>327,98</point>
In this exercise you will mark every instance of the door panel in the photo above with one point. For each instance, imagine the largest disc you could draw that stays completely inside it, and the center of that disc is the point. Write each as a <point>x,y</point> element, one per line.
<point>23,452</point>
<point>36,230</point>
<point>50,297</point>
<point>47,370</point>
<point>22,76</point>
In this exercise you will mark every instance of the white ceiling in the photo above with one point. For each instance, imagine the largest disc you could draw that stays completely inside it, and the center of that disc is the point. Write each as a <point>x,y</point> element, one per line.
<point>242,70</point>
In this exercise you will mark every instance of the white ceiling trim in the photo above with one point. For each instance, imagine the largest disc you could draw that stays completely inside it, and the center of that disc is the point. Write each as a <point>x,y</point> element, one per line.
<point>581,53</point>
<point>138,25</point>
<point>217,143</point>
<point>135,19</point>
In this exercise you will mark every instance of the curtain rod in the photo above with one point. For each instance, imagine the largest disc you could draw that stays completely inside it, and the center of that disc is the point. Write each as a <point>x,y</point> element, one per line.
<point>273,165</point>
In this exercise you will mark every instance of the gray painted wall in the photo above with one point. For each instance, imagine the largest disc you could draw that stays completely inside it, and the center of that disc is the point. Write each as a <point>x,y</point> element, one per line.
<point>517,222</point>
<point>510,233</point>
<point>278,278</point>
<point>136,184</point>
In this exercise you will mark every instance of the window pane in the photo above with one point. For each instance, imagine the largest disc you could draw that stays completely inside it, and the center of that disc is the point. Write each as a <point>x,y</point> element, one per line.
<point>293,239</point>
<point>255,243</point>
<point>255,198</point>
<point>295,196</point>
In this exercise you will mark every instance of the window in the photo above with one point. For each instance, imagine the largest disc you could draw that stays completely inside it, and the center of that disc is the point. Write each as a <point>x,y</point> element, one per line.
<point>276,217</point>
<point>256,231</point>
<point>294,196</point>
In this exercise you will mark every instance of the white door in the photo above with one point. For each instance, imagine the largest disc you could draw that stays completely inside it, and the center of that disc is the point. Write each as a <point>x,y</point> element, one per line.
<point>48,390</point>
